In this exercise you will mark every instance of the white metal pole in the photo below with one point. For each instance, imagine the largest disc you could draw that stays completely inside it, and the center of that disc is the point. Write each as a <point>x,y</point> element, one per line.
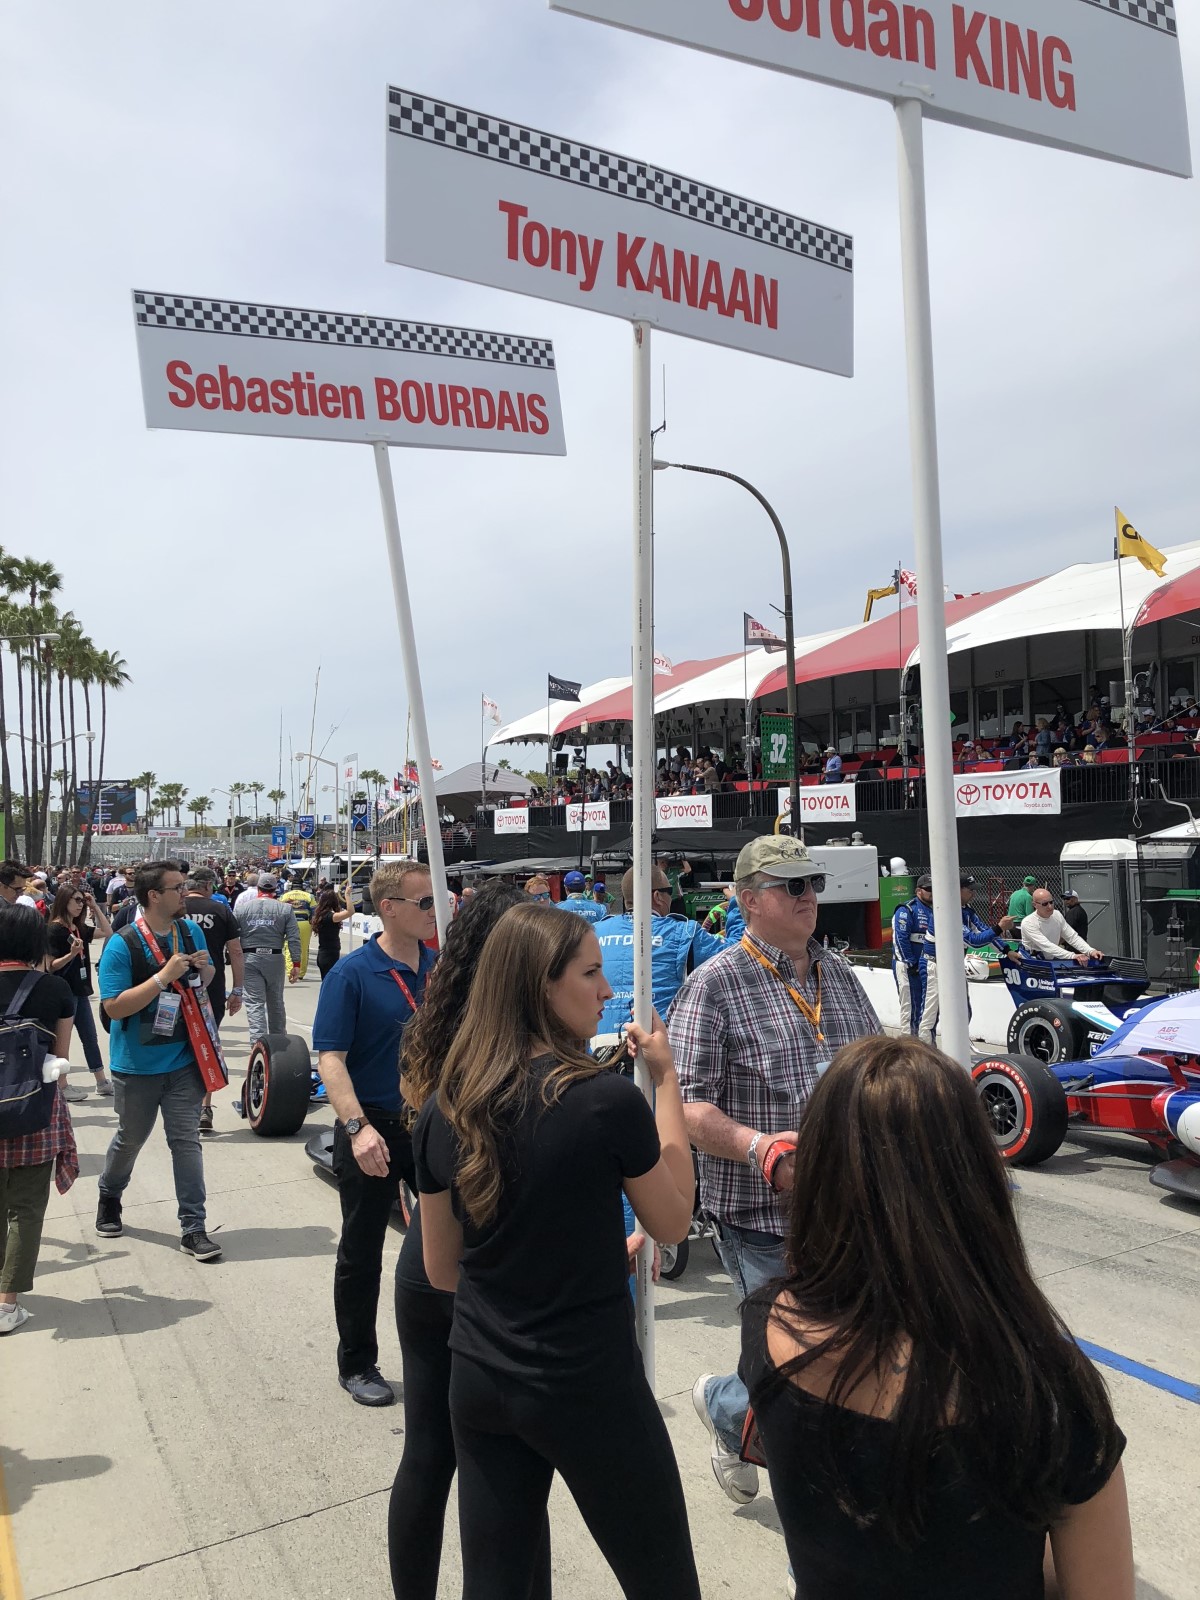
<point>931,611</point>
<point>416,700</point>
<point>643,764</point>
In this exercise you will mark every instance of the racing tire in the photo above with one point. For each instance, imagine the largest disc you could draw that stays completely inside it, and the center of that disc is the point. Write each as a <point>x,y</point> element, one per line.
<point>1049,1031</point>
<point>673,1260</point>
<point>1026,1107</point>
<point>278,1085</point>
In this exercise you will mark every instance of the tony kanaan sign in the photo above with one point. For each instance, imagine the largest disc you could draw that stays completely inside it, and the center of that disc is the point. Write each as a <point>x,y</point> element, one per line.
<point>1102,77</point>
<point>1036,792</point>
<point>564,221</point>
<point>235,366</point>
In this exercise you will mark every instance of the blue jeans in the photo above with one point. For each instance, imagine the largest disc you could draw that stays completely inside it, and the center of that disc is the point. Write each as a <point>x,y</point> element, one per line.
<point>751,1259</point>
<point>138,1098</point>
<point>85,1027</point>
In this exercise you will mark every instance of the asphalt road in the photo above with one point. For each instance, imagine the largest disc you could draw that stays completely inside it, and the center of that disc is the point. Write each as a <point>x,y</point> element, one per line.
<point>174,1429</point>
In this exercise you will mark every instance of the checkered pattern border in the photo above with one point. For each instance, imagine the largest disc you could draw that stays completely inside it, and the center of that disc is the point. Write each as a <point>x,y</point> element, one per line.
<point>1154,13</point>
<point>330,327</point>
<point>416,117</point>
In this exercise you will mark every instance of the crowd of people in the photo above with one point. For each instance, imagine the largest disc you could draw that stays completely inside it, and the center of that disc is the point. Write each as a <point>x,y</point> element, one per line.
<point>928,1428</point>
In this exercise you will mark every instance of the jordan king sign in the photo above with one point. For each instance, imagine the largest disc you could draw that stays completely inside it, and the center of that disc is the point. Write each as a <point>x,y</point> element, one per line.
<point>1102,77</point>
<point>1036,792</point>
<point>228,366</point>
<point>550,217</point>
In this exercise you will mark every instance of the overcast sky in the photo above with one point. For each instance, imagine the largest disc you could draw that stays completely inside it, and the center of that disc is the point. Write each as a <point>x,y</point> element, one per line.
<point>236,151</point>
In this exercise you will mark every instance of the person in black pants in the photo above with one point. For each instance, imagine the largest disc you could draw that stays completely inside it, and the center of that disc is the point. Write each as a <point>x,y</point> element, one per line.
<point>545,1372</point>
<point>363,1007</point>
<point>327,921</point>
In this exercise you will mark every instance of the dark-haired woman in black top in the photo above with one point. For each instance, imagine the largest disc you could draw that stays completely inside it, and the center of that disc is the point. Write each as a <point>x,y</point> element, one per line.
<point>931,1430</point>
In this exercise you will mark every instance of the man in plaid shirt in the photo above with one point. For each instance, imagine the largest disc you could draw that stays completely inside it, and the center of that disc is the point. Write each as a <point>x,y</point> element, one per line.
<point>751,1030</point>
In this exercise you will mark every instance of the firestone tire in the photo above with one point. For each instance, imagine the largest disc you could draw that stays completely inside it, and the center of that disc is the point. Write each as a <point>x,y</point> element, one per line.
<point>1049,1031</point>
<point>278,1085</point>
<point>1026,1107</point>
<point>674,1260</point>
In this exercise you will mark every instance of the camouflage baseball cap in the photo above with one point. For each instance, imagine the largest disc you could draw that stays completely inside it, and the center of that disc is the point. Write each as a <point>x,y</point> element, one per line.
<point>777,855</point>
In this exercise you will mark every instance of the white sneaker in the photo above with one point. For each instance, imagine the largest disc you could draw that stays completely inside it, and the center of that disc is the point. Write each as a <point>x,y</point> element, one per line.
<point>74,1096</point>
<point>12,1317</point>
<point>738,1478</point>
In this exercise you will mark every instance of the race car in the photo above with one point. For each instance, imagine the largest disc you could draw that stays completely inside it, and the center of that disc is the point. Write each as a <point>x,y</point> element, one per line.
<point>1144,1080</point>
<point>1065,1012</point>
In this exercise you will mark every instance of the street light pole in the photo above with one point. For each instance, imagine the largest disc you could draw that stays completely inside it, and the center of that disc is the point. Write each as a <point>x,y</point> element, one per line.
<point>788,625</point>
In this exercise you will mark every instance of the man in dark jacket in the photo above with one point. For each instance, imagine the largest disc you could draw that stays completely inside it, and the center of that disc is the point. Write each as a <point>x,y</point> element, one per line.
<point>1074,915</point>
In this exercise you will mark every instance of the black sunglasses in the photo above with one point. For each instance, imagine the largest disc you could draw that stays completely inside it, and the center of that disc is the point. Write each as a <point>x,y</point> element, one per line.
<point>797,886</point>
<point>425,903</point>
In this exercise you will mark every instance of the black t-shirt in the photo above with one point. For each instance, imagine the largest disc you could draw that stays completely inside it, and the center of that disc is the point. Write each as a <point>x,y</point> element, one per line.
<point>49,1002</point>
<point>77,974</point>
<point>329,935</point>
<point>544,1287</point>
<point>410,1263</point>
<point>219,926</point>
<point>125,913</point>
<point>970,1547</point>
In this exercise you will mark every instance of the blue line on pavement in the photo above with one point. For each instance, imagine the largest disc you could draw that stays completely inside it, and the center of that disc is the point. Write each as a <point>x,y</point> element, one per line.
<point>1135,1369</point>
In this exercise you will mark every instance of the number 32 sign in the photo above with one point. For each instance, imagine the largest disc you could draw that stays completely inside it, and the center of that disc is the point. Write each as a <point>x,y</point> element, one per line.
<point>776,734</point>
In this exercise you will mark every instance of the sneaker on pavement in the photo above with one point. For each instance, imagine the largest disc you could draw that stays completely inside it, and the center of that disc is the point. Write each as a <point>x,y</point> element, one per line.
<point>206,1119</point>
<point>738,1478</point>
<point>198,1244</point>
<point>104,1088</point>
<point>74,1096</point>
<point>108,1216</point>
<point>12,1317</point>
<point>368,1388</point>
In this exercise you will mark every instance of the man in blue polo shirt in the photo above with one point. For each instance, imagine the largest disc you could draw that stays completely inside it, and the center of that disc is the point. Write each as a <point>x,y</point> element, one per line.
<point>365,1002</point>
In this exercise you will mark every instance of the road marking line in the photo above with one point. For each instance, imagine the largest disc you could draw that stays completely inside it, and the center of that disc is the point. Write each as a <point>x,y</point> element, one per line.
<point>10,1576</point>
<point>1144,1374</point>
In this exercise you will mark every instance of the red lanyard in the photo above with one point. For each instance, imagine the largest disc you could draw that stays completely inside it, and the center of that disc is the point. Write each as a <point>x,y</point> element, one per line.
<point>173,948</point>
<point>408,994</point>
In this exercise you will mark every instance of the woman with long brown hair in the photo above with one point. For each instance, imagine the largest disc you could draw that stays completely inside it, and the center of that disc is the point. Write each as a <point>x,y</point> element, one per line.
<point>70,934</point>
<point>522,1159</point>
<point>926,1418</point>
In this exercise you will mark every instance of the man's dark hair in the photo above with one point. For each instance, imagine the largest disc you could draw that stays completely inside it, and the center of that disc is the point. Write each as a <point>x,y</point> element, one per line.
<point>23,935</point>
<point>148,875</point>
<point>13,872</point>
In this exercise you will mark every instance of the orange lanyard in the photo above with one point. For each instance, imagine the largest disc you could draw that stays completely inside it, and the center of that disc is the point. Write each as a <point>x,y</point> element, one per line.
<point>811,1014</point>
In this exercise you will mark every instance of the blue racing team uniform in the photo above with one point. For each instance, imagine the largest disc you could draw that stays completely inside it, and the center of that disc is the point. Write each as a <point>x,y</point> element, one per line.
<point>976,934</point>
<point>590,910</point>
<point>910,924</point>
<point>677,945</point>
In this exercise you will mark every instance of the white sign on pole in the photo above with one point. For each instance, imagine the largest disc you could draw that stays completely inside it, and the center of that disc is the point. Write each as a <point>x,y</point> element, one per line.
<point>564,221</point>
<point>831,802</point>
<point>228,366</point>
<point>168,833</point>
<point>684,811</point>
<point>1101,77</point>
<point>590,819</point>
<point>1007,794</point>
<point>515,820</point>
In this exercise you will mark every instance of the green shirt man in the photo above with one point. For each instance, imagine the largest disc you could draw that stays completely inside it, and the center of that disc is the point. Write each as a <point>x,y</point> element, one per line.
<point>1020,901</point>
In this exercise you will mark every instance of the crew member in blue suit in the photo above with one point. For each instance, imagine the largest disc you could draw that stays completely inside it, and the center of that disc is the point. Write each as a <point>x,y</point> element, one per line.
<point>677,946</point>
<point>910,923</point>
<point>976,934</point>
<point>579,901</point>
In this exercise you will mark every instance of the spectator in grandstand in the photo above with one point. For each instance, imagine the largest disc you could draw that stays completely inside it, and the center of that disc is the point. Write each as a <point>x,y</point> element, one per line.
<point>1088,758</point>
<point>1018,739</point>
<point>891,1475</point>
<point>833,766</point>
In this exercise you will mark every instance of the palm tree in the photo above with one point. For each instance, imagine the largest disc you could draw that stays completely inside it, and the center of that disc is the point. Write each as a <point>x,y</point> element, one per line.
<point>171,795</point>
<point>86,676</point>
<point>276,797</point>
<point>161,809</point>
<point>198,807</point>
<point>256,789</point>
<point>110,673</point>
<point>146,780</point>
<point>9,565</point>
<point>39,580</point>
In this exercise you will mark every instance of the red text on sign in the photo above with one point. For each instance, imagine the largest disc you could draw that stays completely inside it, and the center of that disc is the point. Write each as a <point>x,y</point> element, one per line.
<point>453,405</point>
<point>882,27</point>
<point>299,395</point>
<point>1002,55</point>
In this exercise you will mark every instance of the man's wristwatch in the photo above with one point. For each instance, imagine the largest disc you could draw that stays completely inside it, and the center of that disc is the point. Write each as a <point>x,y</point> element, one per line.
<point>354,1125</point>
<point>238,991</point>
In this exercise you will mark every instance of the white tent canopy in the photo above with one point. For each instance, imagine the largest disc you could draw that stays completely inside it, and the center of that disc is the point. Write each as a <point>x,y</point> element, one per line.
<point>730,682</point>
<point>535,728</point>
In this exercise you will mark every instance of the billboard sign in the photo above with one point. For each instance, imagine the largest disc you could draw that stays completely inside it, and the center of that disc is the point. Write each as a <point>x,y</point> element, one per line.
<point>684,811</point>
<point>827,802</point>
<point>594,818</point>
<point>279,834</point>
<point>230,366</point>
<point>550,217</point>
<point>1101,77</point>
<point>360,814</point>
<point>116,811</point>
<point>306,827</point>
<point>1034,793</point>
<point>512,820</point>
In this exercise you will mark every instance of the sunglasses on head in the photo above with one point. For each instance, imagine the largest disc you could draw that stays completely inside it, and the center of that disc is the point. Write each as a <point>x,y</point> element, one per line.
<point>798,886</point>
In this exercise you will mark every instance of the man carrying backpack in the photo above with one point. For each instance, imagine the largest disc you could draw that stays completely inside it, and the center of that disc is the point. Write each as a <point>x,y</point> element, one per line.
<point>153,981</point>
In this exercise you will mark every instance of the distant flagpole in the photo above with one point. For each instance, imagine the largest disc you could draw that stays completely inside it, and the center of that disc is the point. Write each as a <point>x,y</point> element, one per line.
<point>903,696</point>
<point>1126,657</point>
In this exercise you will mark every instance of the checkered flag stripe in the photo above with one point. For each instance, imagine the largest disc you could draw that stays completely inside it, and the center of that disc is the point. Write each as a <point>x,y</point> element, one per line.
<point>330,327</point>
<point>416,117</point>
<point>1154,13</point>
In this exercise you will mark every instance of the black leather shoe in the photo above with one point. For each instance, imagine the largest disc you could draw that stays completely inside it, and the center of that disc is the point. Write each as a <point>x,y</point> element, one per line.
<point>198,1244</point>
<point>108,1216</point>
<point>369,1388</point>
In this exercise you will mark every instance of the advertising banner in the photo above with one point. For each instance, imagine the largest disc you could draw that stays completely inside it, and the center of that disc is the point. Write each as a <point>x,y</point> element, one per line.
<point>117,808</point>
<point>306,827</point>
<point>230,366</point>
<point>559,220</point>
<point>1102,77</point>
<point>775,736</point>
<point>360,814</point>
<point>684,811</point>
<point>596,819</point>
<point>167,833</point>
<point>513,820</point>
<point>1035,793</point>
<point>823,802</point>
<point>279,835</point>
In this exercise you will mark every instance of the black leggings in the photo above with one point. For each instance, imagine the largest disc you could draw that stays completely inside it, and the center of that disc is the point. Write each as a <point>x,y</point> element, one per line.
<point>327,959</point>
<point>417,1511</point>
<point>607,1439</point>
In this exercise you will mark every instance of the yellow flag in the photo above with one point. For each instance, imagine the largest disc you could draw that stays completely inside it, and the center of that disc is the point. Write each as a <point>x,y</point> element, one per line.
<point>1131,543</point>
<point>872,596</point>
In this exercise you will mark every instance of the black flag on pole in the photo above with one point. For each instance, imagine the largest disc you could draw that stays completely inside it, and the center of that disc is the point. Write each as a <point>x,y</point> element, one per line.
<point>561,688</point>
